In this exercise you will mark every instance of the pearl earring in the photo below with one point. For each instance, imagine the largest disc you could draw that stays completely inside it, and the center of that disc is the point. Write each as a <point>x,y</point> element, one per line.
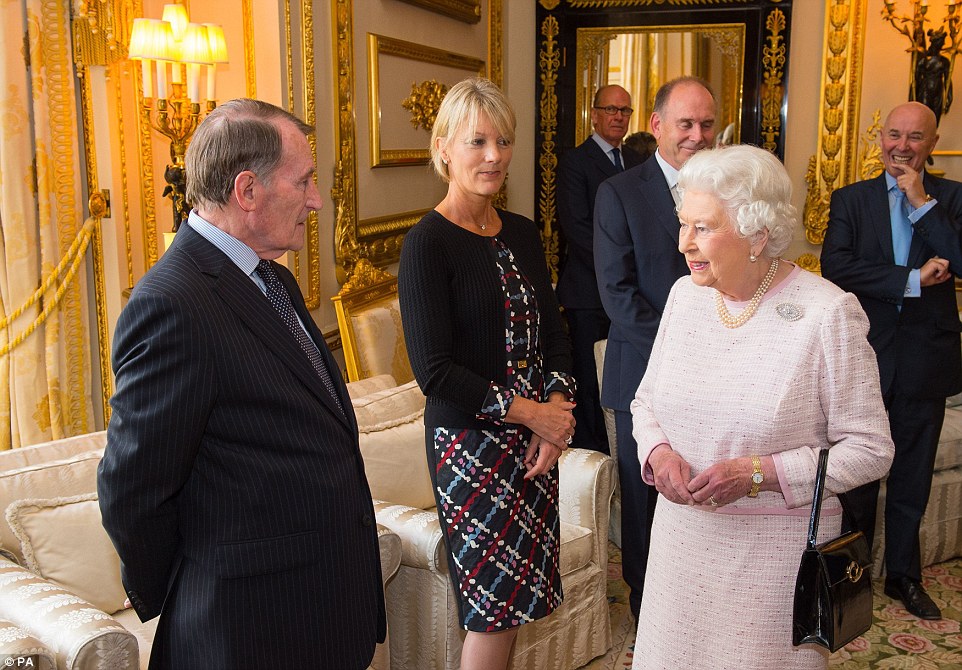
<point>752,257</point>
<point>444,160</point>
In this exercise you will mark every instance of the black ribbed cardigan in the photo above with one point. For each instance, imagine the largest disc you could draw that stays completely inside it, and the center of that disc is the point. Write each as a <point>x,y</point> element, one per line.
<point>452,311</point>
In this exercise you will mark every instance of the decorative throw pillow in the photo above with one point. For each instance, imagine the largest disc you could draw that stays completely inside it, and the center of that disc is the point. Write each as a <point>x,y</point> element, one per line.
<point>396,465</point>
<point>388,408</point>
<point>63,540</point>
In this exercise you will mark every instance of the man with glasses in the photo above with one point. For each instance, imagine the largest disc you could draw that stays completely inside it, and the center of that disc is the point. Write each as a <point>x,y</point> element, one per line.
<point>895,242</point>
<point>580,172</point>
<point>637,261</point>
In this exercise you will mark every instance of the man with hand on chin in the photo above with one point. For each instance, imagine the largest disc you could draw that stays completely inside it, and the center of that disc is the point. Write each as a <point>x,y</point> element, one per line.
<point>895,241</point>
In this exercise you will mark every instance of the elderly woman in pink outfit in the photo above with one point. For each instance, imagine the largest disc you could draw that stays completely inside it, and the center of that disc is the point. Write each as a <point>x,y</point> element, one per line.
<point>757,366</point>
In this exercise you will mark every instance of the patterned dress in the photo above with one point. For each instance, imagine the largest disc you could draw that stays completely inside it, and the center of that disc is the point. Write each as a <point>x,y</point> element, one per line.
<point>502,532</point>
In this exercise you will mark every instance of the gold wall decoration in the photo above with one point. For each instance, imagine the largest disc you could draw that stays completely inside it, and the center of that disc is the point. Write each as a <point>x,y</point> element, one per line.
<point>436,62</point>
<point>379,238</point>
<point>423,103</point>
<point>549,61</point>
<point>809,262</point>
<point>101,31</point>
<point>620,4</point>
<point>869,152</point>
<point>468,11</point>
<point>250,69</point>
<point>834,165</point>
<point>773,90</point>
<point>496,42</point>
<point>549,4</point>
<point>96,244</point>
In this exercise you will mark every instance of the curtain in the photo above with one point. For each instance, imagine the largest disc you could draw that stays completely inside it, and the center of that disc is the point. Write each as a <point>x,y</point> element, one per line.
<point>44,341</point>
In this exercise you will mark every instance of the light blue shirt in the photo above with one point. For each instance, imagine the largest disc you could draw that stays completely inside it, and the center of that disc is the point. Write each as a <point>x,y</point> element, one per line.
<point>913,287</point>
<point>239,254</point>
<point>607,148</point>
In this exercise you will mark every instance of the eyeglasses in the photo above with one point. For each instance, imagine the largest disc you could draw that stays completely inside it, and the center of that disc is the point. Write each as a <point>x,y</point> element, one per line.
<point>611,110</point>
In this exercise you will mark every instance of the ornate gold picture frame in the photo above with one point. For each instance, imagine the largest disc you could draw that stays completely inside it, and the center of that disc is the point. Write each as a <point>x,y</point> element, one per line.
<point>468,11</point>
<point>404,101</point>
<point>362,229</point>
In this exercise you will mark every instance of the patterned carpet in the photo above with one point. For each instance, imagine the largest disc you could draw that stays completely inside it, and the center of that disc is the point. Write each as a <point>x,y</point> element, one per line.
<point>897,640</point>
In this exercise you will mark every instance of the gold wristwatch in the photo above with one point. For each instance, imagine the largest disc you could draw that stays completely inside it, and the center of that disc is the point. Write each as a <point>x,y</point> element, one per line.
<point>757,477</point>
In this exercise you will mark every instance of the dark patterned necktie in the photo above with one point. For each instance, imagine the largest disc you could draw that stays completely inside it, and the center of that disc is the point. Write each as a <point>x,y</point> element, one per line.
<point>281,301</point>
<point>616,153</point>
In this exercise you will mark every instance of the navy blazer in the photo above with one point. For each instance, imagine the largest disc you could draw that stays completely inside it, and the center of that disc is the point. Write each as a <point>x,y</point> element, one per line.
<point>857,255</point>
<point>231,486</point>
<point>580,173</point>
<point>637,262</point>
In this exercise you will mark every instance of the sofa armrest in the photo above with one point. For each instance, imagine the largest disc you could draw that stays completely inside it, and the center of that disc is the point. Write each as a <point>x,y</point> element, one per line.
<point>587,482</point>
<point>389,546</point>
<point>19,649</point>
<point>420,533</point>
<point>80,635</point>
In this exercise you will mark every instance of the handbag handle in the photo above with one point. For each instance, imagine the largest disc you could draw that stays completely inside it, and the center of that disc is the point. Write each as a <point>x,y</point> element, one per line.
<point>817,497</point>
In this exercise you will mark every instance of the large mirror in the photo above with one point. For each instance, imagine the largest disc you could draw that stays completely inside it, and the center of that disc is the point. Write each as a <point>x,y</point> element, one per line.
<point>642,59</point>
<point>739,46</point>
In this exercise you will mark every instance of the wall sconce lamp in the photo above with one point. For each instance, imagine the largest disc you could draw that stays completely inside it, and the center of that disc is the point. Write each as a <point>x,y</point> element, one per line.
<point>932,61</point>
<point>185,47</point>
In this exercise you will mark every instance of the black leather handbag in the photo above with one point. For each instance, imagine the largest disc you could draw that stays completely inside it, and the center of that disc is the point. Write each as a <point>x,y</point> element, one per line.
<point>833,590</point>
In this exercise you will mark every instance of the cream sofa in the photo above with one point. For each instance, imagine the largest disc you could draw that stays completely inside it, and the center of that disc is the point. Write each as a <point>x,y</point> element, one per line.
<point>422,613</point>
<point>66,610</point>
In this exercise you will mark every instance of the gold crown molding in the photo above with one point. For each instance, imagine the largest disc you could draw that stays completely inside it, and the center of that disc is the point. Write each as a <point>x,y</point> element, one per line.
<point>549,61</point>
<point>610,4</point>
<point>834,163</point>
<point>773,89</point>
<point>250,69</point>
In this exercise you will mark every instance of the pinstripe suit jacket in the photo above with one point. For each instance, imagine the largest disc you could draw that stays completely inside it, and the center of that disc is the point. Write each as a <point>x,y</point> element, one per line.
<point>231,486</point>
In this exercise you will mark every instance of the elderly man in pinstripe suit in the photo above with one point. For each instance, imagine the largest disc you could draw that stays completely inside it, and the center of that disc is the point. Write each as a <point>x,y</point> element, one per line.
<point>232,484</point>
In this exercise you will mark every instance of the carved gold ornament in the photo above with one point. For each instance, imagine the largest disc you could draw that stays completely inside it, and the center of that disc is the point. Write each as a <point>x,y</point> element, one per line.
<point>549,61</point>
<point>423,103</point>
<point>834,164</point>
<point>773,61</point>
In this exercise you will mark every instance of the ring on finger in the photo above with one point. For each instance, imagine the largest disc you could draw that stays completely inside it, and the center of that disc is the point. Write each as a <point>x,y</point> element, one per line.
<point>711,499</point>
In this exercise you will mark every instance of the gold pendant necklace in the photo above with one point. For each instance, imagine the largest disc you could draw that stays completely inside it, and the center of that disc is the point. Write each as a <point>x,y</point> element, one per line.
<point>730,321</point>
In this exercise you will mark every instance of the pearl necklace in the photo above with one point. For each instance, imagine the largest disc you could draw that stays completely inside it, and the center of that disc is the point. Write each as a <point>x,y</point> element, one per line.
<point>730,321</point>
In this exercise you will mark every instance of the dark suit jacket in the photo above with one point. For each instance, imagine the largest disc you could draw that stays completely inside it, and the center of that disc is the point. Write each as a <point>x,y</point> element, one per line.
<point>637,262</point>
<point>231,486</point>
<point>580,172</point>
<point>917,348</point>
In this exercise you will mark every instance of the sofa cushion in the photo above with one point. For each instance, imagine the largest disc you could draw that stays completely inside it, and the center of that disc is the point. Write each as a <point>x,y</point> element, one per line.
<point>396,465</point>
<point>16,643</point>
<point>63,540</point>
<point>73,475</point>
<point>949,454</point>
<point>368,385</point>
<point>389,407</point>
<point>576,547</point>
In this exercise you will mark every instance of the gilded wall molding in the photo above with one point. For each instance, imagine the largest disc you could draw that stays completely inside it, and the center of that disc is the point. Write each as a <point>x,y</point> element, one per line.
<point>773,87</point>
<point>549,62</point>
<point>311,253</point>
<point>97,250</point>
<point>619,4</point>
<point>835,162</point>
<point>377,239</point>
<point>250,69</point>
<point>121,69</point>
